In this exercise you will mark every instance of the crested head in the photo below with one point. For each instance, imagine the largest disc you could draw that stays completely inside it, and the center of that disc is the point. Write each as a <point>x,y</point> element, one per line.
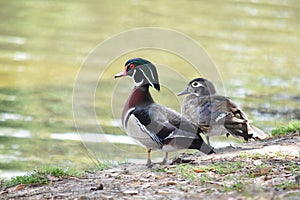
<point>199,87</point>
<point>142,71</point>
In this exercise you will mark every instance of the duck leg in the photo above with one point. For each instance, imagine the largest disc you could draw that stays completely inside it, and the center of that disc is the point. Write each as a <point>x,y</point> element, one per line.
<point>165,159</point>
<point>149,163</point>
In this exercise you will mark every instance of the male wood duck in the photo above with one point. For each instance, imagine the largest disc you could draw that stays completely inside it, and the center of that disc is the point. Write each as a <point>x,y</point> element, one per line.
<point>152,125</point>
<point>216,114</point>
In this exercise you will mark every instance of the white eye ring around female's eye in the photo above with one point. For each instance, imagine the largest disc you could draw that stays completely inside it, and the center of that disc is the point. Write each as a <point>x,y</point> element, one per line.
<point>196,84</point>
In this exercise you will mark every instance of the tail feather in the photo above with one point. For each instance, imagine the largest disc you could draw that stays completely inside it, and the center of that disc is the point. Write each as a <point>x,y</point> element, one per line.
<point>202,146</point>
<point>257,133</point>
<point>239,130</point>
<point>189,143</point>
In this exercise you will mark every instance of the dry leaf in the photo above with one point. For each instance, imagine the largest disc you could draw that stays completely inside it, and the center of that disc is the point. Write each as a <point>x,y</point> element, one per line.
<point>199,170</point>
<point>266,178</point>
<point>171,183</point>
<point>53,178</point>
<point>158,177</point>
<point>19,187</point>
<point>262,171</point>
<point>215,183</point>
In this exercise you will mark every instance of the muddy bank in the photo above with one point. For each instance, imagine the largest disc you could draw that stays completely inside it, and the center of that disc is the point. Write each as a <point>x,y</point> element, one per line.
<point>267,169</point>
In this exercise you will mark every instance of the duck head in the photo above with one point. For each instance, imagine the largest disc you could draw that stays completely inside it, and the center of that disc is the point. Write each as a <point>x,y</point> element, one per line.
<point>142,71</point>
<point>199,87</point>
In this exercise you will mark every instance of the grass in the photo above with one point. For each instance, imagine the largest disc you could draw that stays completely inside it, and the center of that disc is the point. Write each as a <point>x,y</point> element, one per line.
<point>252,155</point>
<point>43,175</point>
<point>160,169</point>
<point>99,164</point>
<point>293,168</point>
<point>40,176</point>
<point>224,167</point>
<point>191,172</point>
<point>290,128</point>
<point>288,185</point>
<point>186,171</point>
<point>201,175</point>
<point>235,186</point>
<point>239,174</point>
<point>102,165</point>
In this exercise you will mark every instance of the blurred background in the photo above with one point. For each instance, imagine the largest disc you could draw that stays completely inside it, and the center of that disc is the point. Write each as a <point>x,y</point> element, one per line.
<point>254,44</point>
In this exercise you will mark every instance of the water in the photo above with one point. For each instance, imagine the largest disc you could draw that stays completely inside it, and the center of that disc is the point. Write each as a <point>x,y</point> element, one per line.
<point>254,44</point>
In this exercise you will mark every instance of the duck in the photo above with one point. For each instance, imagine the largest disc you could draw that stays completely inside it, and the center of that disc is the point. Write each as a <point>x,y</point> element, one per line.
<point>216,114</point>
<point>154,126</point>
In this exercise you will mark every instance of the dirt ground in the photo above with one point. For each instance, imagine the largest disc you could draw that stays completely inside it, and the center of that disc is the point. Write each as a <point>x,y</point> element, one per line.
<point>267,169</point>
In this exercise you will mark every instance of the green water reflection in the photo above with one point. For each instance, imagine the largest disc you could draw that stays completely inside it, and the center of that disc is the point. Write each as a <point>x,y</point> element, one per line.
<point>254,44</point>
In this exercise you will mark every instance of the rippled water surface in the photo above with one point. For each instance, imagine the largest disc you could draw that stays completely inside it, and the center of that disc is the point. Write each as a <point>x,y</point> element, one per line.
<point>254,44</point>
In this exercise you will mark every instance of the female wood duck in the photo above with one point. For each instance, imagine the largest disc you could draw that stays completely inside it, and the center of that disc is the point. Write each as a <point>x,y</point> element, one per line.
<point>216,114</point>
<point>152,125</point>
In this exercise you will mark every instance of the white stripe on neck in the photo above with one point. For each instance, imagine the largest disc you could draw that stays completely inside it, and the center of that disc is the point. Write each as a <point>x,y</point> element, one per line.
<point>147,78</point>
<point>137,84</point>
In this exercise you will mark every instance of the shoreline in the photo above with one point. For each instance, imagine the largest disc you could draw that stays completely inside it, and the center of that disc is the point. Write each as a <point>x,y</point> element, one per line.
<point>267,169</point>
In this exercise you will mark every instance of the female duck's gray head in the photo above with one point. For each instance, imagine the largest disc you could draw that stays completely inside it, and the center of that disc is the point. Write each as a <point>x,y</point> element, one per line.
<point>199,87</point>
<point>142,71</point>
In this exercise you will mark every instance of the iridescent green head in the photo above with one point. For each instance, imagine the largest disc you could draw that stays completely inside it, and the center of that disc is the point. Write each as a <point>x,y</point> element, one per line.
<point>142,71</point>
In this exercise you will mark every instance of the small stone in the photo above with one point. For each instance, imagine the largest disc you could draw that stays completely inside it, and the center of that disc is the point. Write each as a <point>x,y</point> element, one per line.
<point>147,175</point>
<point>158,177</point>
<point>297,178</point>
<point>113,170</point>
<point>114,174</point>
<point>171,166</point>
<point>202,190</point>
<point>144,180</point>
<point>83,198</point>
<point>53,178</point>
<point>162,192</point>
<point>106,196</point>
<point>257,162</point>
<point>62,195</point>
<point>171,183</point>
<point>99,187</point>
<point>170,172</point>
<point>4,192</point>
<point>287,175</point>
<point>108,175</point>
<point>146,185</point>
<point>131,192</point>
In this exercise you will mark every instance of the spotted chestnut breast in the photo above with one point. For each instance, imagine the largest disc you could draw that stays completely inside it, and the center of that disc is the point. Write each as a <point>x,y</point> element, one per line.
<point>136,119</point>
<point>137,97</point>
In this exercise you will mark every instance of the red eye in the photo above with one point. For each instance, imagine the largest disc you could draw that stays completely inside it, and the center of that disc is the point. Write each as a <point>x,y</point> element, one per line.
<point>131,66</point>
